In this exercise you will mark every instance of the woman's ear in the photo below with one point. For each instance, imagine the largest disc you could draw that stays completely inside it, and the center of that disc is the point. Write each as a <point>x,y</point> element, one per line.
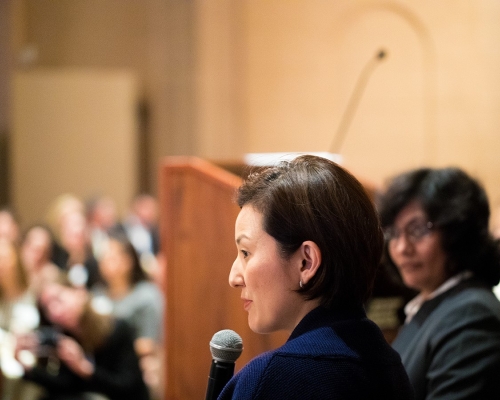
<point>311,260</point>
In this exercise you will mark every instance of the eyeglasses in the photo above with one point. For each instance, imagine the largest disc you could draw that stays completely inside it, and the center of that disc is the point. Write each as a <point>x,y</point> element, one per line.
<point>414,231</point>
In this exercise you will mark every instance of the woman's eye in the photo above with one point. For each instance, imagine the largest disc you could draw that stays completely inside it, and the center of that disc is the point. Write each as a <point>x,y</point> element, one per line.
<point>245,253</point>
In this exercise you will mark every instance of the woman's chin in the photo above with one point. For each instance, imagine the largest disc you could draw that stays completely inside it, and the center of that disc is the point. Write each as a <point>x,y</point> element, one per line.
<point>262,329</point>
<point>254,328</point>
<point>411,283</point>
<point>257,327</point>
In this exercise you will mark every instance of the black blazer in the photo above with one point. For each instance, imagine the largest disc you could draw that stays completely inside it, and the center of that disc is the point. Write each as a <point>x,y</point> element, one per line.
<point>451,347</point>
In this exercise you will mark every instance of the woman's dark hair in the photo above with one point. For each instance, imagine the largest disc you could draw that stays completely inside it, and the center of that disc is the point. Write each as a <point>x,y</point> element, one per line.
<point>457,206</point>
<point>312,198</point>
<point>137,273</point>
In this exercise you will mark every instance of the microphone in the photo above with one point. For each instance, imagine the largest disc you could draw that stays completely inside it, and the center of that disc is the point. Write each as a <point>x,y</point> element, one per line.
<point>225,346</point>
<point>354,100</point>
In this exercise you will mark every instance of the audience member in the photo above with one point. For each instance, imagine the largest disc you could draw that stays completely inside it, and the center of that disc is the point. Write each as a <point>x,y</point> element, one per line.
<point>36,253</point>
<point>62,205</point>
<point>141,227</point>
<point>102,220</point>
<point>13,289</point>
<point>129,295</point>
<point>9,226</point>
<point>89,352</point>
<point>18,314</point>
<point>309,244</point>
<point>76,256</point>
<point>436,226</point>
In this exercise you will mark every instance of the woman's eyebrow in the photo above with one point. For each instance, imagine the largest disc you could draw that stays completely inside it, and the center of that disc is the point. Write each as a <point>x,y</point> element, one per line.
<point>239,238</point>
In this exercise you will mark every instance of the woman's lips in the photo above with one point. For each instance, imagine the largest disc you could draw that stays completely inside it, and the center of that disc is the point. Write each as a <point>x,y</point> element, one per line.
<point>409,266</point>
<point>246,304</point>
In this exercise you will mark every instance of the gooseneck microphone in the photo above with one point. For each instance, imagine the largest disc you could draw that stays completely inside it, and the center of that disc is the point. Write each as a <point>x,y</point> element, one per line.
<point>356,95</point>
<point>225,346</point>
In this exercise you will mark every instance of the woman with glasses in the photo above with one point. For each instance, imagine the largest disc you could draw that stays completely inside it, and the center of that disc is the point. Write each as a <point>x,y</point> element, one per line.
<point>436,229</point>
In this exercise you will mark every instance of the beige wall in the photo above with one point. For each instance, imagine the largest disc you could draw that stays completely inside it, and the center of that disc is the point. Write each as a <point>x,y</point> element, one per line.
<point>222,78</point>
<point>153,38</point>
<point>431,101</point>
<point>74,131</point>
<point>278,75</point>
<point>5,67</point>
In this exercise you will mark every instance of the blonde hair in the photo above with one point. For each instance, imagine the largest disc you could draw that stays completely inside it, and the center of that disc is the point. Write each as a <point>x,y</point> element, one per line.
<point>21,275</point>
<point>61,206</point>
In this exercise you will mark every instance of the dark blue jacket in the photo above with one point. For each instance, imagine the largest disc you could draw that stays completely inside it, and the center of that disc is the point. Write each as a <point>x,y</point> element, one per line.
<point>329,355</point>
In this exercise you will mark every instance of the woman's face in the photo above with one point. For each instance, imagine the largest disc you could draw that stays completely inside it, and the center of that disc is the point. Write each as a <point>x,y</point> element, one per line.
<point>36,247</point>
<point>420,258</point>
<point>115,263</point>
<point>8,227</point>
<point>267,282</point>
<point>64,305</point>
<point>74,232</point>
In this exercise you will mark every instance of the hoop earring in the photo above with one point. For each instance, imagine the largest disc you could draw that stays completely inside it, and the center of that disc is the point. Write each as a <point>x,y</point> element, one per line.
<point>301,284</point>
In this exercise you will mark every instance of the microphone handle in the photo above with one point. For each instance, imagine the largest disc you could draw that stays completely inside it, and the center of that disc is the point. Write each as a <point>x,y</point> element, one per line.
<point>220,374</point>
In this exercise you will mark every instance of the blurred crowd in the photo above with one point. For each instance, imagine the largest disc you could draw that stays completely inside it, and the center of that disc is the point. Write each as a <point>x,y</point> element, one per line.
<point>81,303</point>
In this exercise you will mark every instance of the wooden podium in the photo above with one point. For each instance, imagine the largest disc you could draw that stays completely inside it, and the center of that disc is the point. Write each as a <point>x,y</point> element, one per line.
<point>197,230</point>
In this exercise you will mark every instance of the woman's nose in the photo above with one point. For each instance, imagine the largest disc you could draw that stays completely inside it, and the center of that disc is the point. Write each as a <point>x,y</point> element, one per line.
<point>235,276</point>
<point>402,244</point>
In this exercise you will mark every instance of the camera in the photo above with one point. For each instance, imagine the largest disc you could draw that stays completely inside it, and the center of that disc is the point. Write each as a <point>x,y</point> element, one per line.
<point>47,337</point>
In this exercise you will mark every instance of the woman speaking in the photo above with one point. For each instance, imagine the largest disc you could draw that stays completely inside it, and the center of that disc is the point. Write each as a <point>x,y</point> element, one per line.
<point>309,243</point>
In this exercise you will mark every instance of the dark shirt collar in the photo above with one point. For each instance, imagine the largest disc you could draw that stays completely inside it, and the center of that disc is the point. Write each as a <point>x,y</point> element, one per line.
<point>321,316</point>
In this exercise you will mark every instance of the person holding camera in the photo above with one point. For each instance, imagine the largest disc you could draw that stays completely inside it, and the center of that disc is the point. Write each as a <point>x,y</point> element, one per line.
<point>86,352</point>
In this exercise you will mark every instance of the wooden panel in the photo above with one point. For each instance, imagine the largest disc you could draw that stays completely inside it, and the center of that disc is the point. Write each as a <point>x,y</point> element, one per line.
<point>197,226</point>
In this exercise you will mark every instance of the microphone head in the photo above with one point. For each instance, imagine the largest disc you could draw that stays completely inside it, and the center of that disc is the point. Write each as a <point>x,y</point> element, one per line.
<point>381,54</point>
<point>226,346</point>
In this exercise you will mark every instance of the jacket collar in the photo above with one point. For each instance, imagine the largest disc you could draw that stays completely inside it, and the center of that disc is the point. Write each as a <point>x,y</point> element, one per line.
<point>320,317</point>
